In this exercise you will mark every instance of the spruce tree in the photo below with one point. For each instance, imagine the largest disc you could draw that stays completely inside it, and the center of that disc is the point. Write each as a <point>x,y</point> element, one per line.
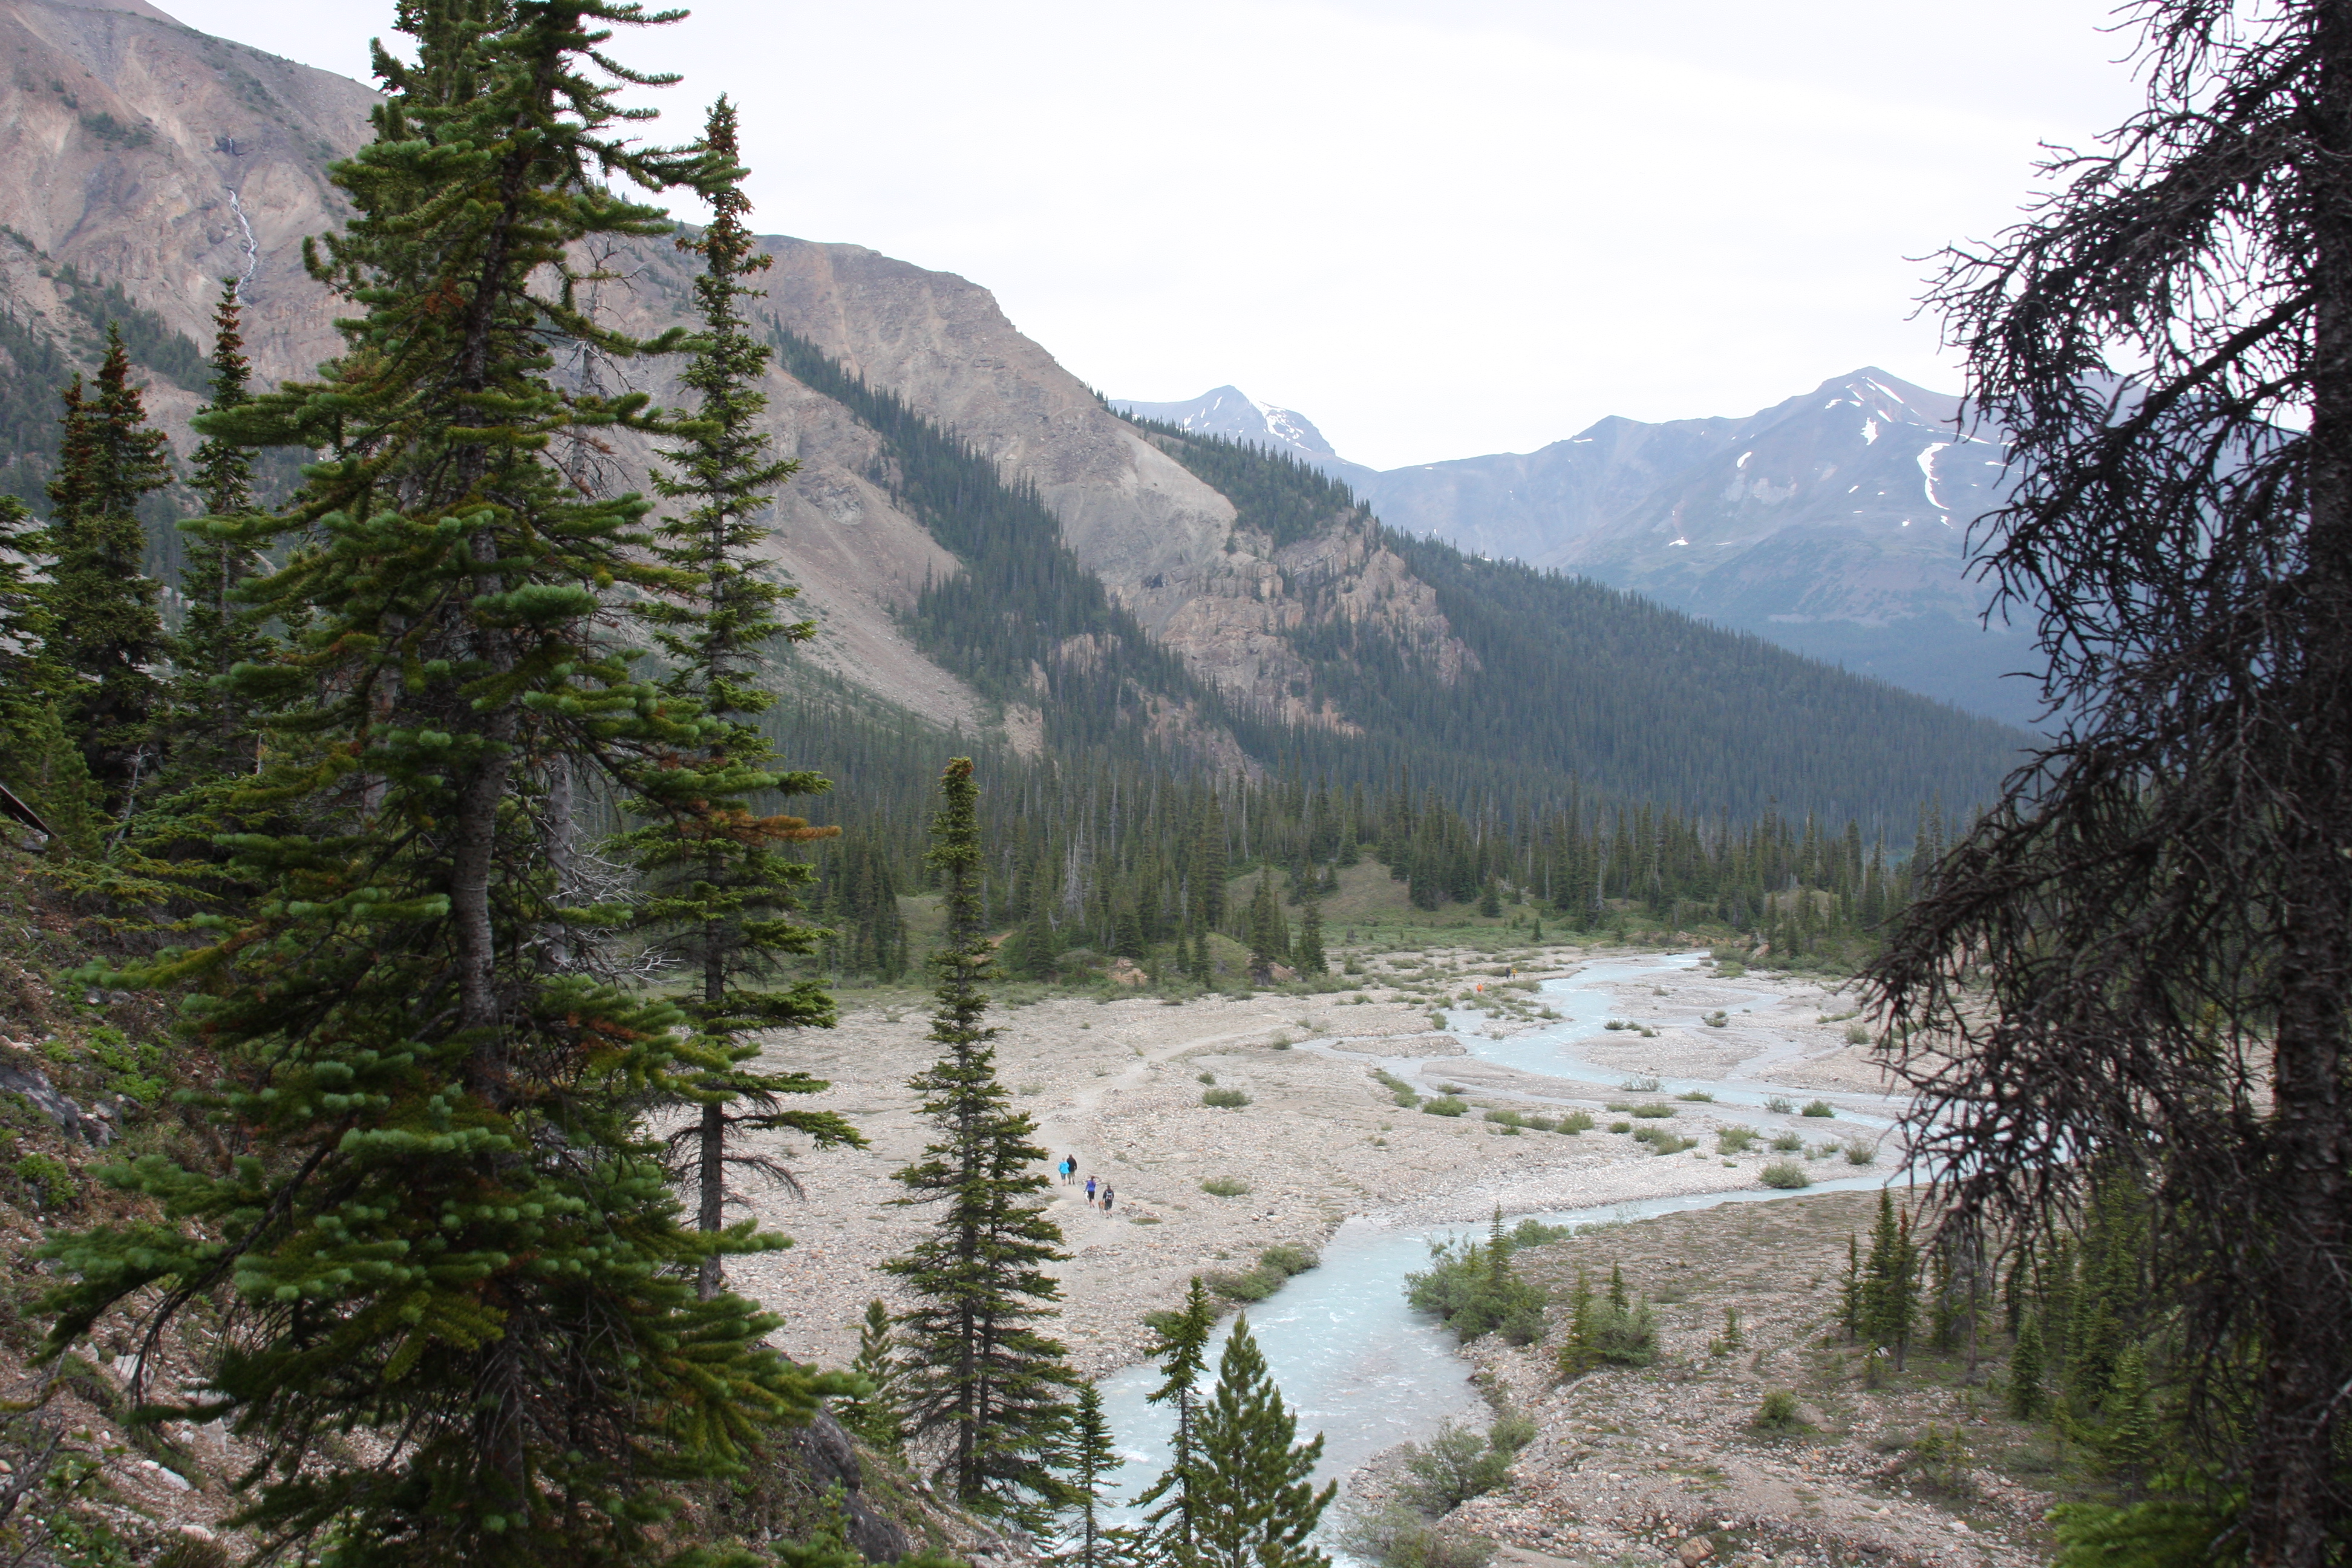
<point>874,1413</point>
<point>1258,1505</point>
<point>1173,1529</point>
<point>1311,957</point>
<point>2027,1398</point>
<point>451,1234</point>
<point>981,1378</point>
<point>718,879</point>
<point>210,730</point>
<point>1093,1455</point>
<point>38,761</point>
<point>107,633</point>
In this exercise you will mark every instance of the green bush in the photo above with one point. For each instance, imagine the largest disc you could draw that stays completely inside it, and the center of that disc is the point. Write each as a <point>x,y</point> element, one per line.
<point>1664,1140</point>
<point>1207,1078</point>
<point>1652,1112</point>
<point>1861,1152</point>
<point>1698,1096</point>
<point>1784,1174</point>
<point>1535,1233</point>
<point>1395,1534</point>
<point>1621,1127</point>
<point>1781,1105</point>
<point>1225,1187</point>
<point>1820,1108</point>
<point>1734,1139</point>
<point>1787,1143</point>
<point>1472,1286</point>
<point>1290,1259</point>
<point>1224,1098</point>
<point>1716,1020</point>
<point>1611,1330</point>
<point>50,1181</point>
<point>1539,1123</point>
<point>1445,1105</point>
<point>1778,1413</point>
<point>1506,1117</point>
<point>1575,1121</point>
<point>1856,1034</point>
<point>1730,971</point>
<point>1456,1464</point>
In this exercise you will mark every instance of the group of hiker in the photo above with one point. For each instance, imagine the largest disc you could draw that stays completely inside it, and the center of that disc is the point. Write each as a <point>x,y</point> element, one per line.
<point>1098,1194</point>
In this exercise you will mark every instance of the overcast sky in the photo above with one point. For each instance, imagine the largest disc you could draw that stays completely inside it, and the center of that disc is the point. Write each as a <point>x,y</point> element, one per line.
<point>1437,229</point>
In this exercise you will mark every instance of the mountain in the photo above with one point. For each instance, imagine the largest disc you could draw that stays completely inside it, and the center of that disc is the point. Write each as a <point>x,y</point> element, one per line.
<point>1833,523</point>
<point>1233,415</point>
<point>985,544</point>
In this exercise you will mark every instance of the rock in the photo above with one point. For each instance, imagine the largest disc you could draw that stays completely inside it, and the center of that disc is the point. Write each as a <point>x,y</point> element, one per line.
<point>825,1455</point>
<point>1696,1551</point>
<point>1283,973</point>
<point>71,1120</point>
<point>1125,972</point>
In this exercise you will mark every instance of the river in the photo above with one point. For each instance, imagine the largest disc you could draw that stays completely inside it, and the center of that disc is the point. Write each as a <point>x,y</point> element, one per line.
<point>1353,1361</point>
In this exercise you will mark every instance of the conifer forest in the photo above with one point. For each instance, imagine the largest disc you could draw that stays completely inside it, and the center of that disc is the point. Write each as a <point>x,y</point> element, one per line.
<point>532,1054</point>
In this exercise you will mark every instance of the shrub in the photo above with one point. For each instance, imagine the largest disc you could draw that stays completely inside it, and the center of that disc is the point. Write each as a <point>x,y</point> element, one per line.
<point>1255,1285</point>
<point>1778,1413</point>
<point>1225,1187</point>
<point>1535,1233</point>
<point>1575,1121</point>
<point>1616,1023</point>
<point>50,1181</point>
<point>1472,1286</point>
<point>1663,1141</point>
<point>1621,1127</point>
<point>1611,1330</point>
<point>1396,1536</point>
<point>1787,1143</point>
<point>1780,1105</point>
<point>1639,1083</point>
<point>1445,1105</point>
<point>1730,971</point>
<point>1820,1108</point>
<point>1207,1078</point>
<point>1699,1096</point>
<point>1856,1034</point>
<point>1224,1098</point>
<point>1716,1020</point>
<point>1456,1464</point>
<point>1290,1259</point>
<point>1784,1174</point>
<point>1734,1139</point>
<point>1540,1123</point>
<point>1861,1152</point>
<point>1652,1111</point>
<point>1508,1118</point>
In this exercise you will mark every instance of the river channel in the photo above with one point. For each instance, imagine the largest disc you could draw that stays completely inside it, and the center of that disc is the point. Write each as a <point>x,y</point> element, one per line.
<point>1353,1361</point>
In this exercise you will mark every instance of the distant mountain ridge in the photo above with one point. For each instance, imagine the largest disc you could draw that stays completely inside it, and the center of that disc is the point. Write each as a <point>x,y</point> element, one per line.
<point>983,544</point>
<point>1833,523</point>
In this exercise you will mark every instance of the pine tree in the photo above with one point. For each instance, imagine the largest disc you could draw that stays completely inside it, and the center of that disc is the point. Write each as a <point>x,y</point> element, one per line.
<point>1490,898</point>
<point>1093,1456</point>
<point>1269,941</point>
<point>979,1377</point>
<point>720,880</point>
<point>1577,1355</point>
<point>107,632</point>
<point>1890,1282</point>
<point>450,1233</point>
<point>1173,1529</point>
<point>1258,1505</point>
<point>1311,958</point>
<point>2027,1398</point>
<point>38,761</point>
<point>874,1415</point>
<point>211,732</point>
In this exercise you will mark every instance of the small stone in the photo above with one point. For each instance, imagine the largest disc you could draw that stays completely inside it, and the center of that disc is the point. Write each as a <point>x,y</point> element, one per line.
<point>1696,1551</point>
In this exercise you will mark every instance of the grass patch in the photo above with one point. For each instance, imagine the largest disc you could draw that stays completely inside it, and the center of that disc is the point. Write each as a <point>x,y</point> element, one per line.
<point>1734,1139</point>
<point>1575,1121</point>
<point>1698,1096</point>
<point>1781,1105</point>
<point>1445,1105</point>
<point>1224,1098</point>
<point>1788,1143</point>
<point>1786,1174</point>
<point>1859,1151</point>
<point>1274,1267</point>
<point>1819,1108</point>
<point>1225,1187</point>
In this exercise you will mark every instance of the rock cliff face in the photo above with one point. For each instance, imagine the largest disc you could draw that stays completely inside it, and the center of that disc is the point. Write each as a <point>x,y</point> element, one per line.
<point>148,154</point>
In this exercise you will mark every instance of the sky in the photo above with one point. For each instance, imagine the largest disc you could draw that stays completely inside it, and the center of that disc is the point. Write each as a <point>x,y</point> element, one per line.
<point>1437,229</point>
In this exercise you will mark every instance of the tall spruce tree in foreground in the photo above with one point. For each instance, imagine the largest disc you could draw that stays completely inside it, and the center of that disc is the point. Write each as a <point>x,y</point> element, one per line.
<point>1172,1530</point>
<point>106,632</point>
<point>717,877</point>
<point>210,730</point>
<point>450,1233</point>
<point>2142,956</point>
<point>1258,1505</point>
<point>981,1381</point>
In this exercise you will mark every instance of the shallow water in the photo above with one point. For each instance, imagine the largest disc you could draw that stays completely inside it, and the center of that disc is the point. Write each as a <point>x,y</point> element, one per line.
<point>1353,1361</point>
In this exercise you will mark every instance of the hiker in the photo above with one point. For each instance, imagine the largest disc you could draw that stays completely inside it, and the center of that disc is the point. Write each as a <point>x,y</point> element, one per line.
<point>1063,1170</point>
<point>1073,1176</point>
<point>1090,1191</point>
<point>1106,1197</point>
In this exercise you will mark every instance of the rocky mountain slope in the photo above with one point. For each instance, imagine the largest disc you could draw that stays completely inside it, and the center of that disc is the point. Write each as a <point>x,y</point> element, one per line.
<point>1833,523</point>
<point>153,161</point>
